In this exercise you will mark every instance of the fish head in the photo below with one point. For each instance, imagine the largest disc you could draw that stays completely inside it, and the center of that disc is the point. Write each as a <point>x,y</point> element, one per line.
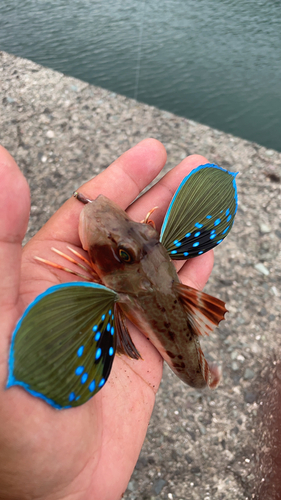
<point>121,250</point>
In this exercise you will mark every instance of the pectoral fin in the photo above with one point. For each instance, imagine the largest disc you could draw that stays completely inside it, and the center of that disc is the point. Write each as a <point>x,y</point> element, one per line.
<point>63,346</point>
<point>201,213</point>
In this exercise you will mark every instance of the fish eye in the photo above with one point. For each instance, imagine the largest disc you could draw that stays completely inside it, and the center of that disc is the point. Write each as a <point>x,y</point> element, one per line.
<point>124,255</point>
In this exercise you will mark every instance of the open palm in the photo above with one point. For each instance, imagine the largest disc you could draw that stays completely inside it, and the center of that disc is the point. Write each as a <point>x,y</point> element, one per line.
<point>87,452</point>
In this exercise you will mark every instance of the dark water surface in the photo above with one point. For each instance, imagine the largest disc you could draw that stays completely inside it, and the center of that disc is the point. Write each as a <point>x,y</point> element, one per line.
<point>217,62</point>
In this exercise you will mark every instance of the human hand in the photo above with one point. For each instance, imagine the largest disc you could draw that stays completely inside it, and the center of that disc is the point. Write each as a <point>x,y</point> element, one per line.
<point>89,451</point>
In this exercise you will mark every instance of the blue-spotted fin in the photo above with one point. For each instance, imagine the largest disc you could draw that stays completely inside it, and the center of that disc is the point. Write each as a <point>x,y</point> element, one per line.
<point>63,346</point>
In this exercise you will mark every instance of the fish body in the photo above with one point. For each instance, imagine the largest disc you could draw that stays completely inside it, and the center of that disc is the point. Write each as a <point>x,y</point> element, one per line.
<point>145,284</point>
<point>64,345</point>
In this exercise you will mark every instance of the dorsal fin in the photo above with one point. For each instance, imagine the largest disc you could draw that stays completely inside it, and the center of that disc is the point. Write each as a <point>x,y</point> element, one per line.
<point>204,311</point>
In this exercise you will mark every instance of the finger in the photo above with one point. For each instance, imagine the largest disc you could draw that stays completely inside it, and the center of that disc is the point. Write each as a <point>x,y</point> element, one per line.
<point>196,271</point>
<point>14,209</point>
<point>161,193</point>
<point>121,182</point>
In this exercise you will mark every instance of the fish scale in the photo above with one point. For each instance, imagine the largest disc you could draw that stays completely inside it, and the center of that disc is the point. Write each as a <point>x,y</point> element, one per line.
<point>64,345</point>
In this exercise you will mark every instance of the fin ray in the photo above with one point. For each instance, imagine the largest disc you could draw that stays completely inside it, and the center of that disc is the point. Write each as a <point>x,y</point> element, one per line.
<point>204,311</point>
<point>125,345</point>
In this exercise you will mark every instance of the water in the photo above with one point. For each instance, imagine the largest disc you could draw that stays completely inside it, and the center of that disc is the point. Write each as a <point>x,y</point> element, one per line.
<point>217,62</point>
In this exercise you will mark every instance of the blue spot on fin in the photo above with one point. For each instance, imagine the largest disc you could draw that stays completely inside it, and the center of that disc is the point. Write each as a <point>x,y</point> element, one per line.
<point>205,199</point>
<point>71,387</point>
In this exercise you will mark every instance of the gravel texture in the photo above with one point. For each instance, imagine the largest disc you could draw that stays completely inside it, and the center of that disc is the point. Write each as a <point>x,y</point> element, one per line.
<point>199,445</point>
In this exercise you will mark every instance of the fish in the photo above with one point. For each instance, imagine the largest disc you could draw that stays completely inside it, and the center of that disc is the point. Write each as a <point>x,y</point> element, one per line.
<point>63,346</point>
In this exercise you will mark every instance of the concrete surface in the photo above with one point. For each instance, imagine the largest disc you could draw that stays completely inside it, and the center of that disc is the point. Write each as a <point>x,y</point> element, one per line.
<point>199,445</point>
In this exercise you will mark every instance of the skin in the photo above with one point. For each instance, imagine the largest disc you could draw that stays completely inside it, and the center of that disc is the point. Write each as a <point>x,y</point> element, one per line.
<point>90,451</point>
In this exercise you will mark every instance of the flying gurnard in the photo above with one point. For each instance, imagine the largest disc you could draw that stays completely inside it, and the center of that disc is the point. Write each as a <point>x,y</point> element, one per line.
<point>64,345</point>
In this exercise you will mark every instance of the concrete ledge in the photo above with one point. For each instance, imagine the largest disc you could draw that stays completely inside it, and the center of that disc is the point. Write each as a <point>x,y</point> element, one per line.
<point>200,445</point>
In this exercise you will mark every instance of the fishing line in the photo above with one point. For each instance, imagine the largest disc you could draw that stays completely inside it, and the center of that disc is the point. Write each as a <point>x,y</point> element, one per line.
<point>139,51</point>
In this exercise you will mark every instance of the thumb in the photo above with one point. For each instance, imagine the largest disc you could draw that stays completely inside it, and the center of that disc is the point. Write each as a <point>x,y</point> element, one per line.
<point>14,210</point>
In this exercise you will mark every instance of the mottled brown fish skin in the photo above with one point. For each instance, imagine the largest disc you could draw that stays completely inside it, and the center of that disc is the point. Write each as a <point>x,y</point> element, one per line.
<point>145,284</point>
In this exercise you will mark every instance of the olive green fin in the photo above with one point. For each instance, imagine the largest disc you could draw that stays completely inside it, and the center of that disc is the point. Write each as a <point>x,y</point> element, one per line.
<point>63,346</point>
<point>201,213</point>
